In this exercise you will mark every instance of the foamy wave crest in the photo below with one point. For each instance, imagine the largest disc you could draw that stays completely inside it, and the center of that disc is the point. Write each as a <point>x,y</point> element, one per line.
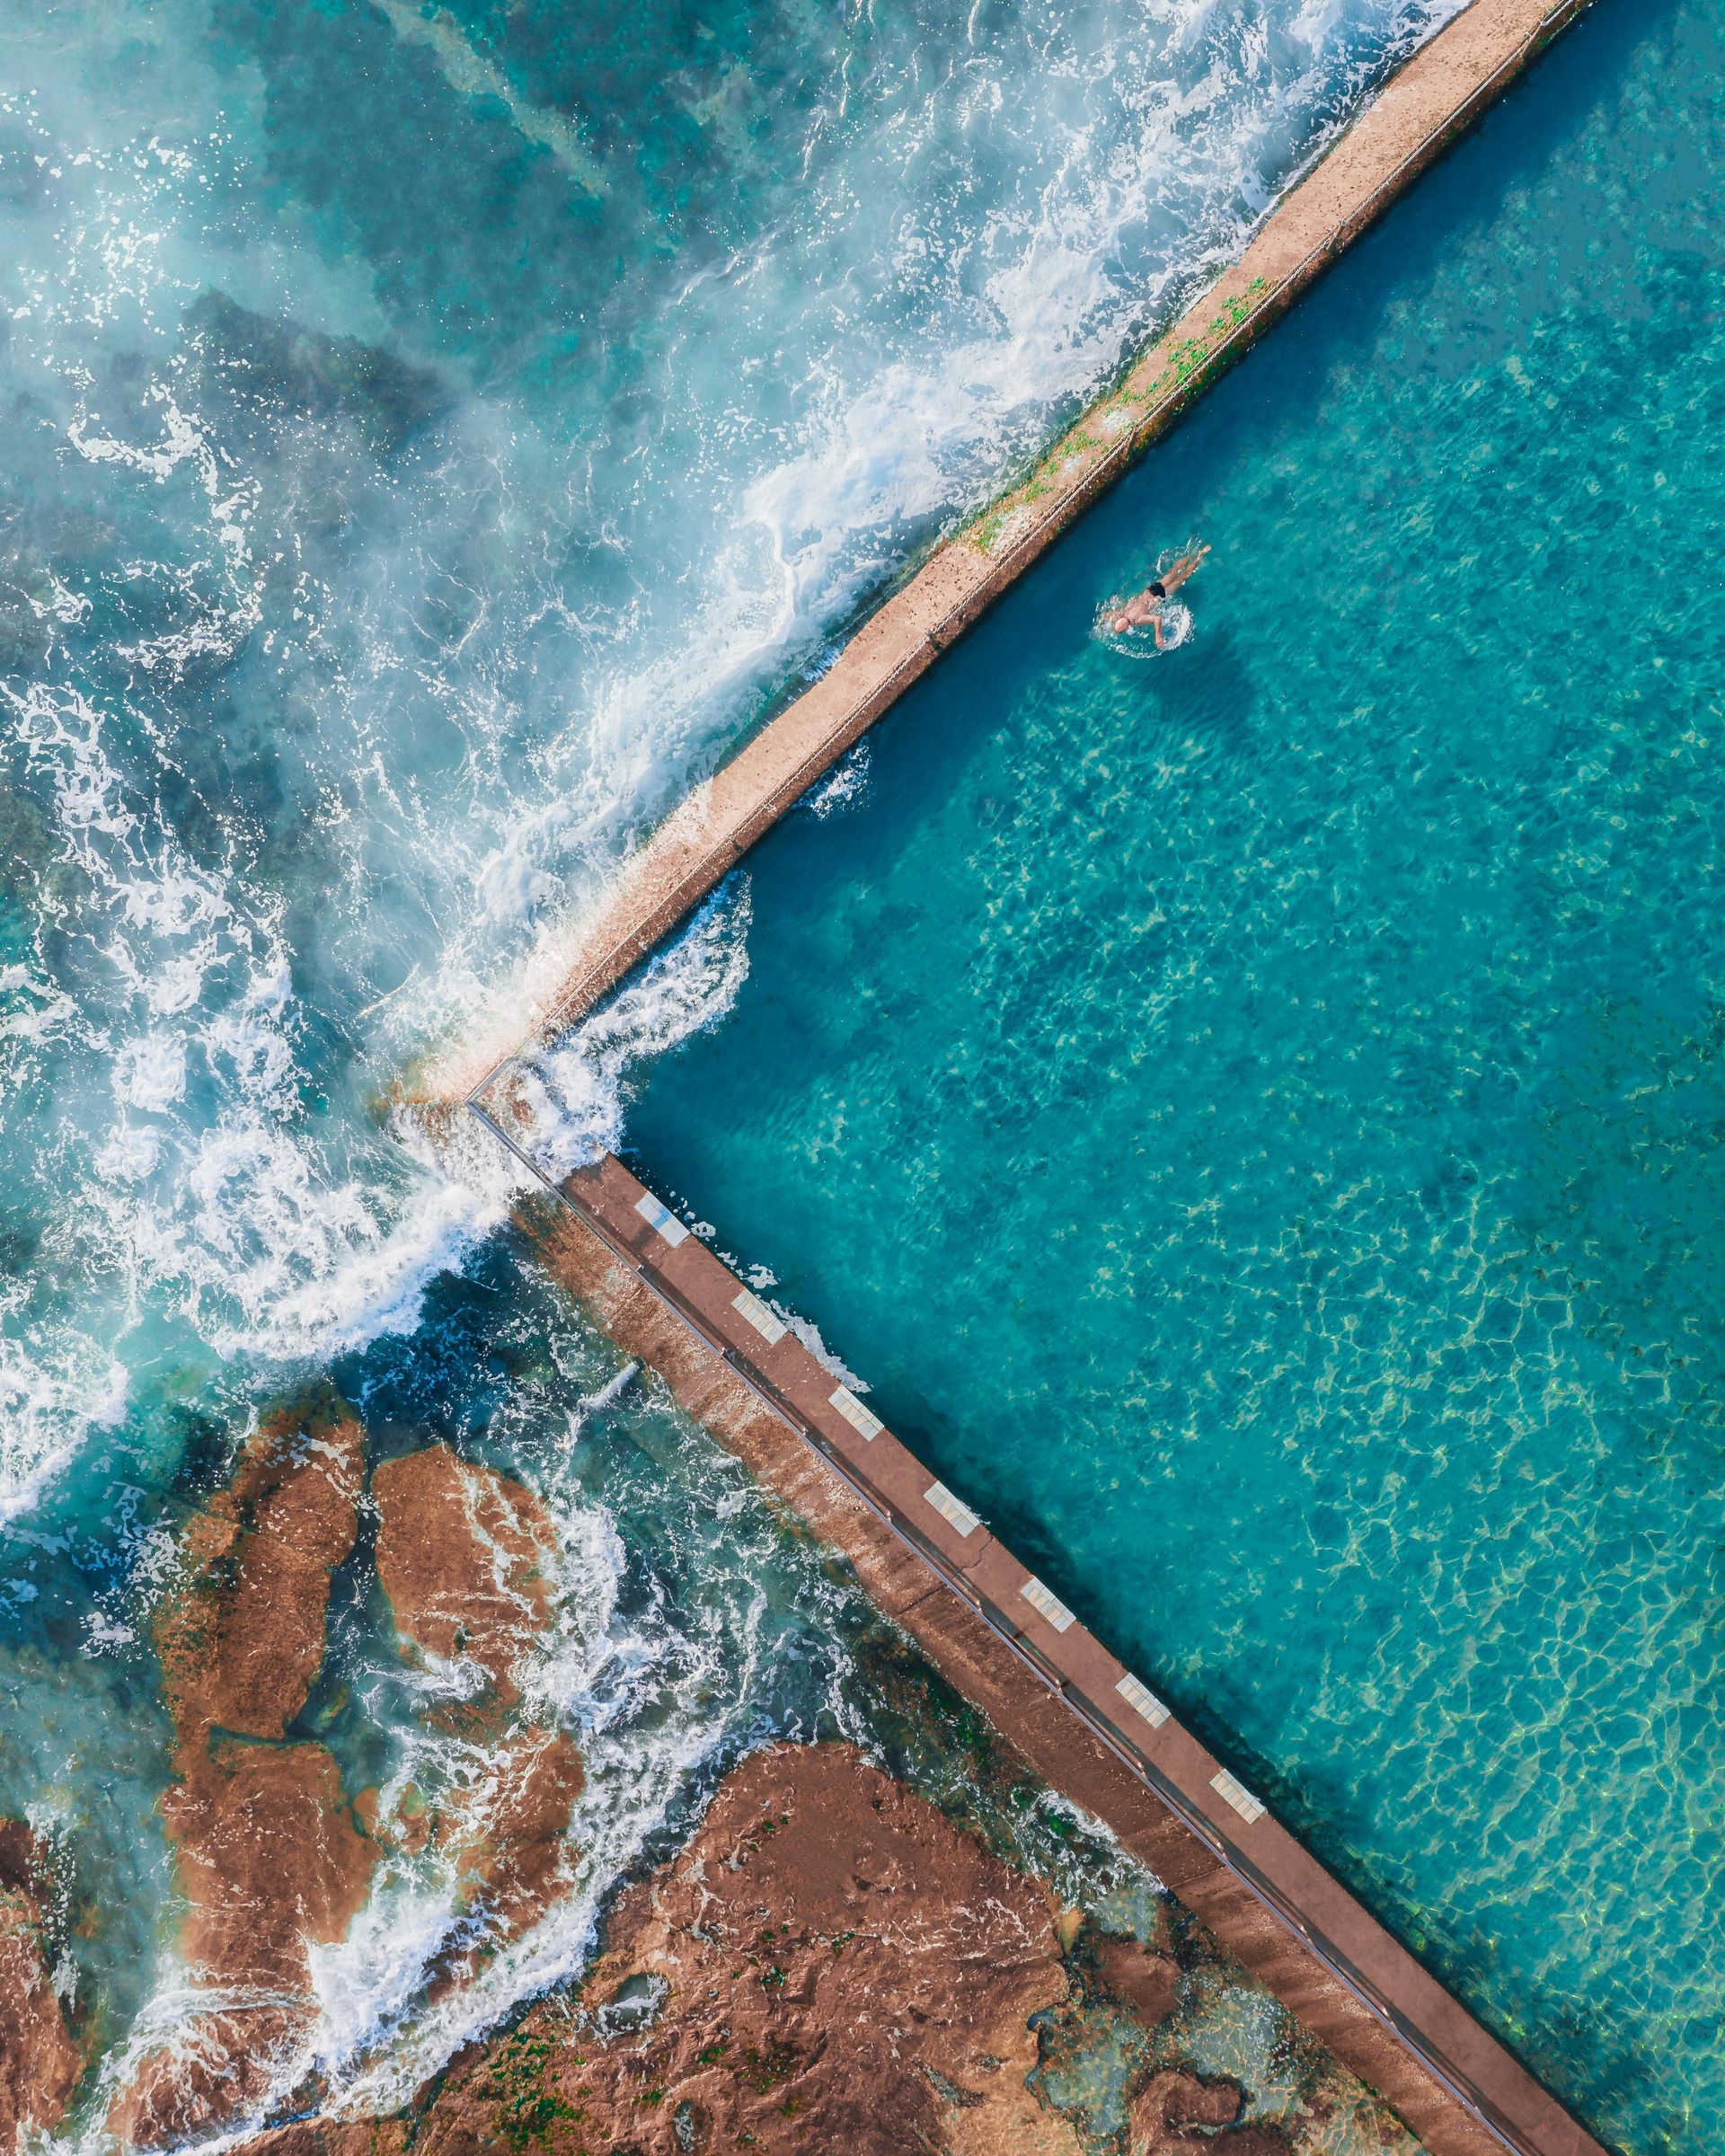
<point>650,1697</point>
<point>575,1093</point>
<point>188,1171</point>
<point>56,1385</point>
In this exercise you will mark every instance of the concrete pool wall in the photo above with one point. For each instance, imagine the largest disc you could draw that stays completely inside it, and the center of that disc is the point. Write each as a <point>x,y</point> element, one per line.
<point>1088,1726</point>
<point>1445,87</point>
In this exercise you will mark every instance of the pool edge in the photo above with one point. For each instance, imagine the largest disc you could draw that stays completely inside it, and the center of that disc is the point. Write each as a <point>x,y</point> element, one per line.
<point>1084,1722</point>
<point>1432,99</point>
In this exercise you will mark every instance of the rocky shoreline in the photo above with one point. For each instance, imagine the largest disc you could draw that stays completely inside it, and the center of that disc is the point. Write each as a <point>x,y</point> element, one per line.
<point>839,1953</point>
<point>828,1965</point>
<point>275,1855</point>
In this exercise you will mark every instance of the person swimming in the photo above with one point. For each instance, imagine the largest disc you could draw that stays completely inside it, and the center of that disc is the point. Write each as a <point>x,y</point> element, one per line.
<point>1144,610</point>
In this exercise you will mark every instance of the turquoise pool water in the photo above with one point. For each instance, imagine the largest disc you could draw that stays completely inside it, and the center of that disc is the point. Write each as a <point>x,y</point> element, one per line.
<point>1254,1118</point>
<point>427,435</point>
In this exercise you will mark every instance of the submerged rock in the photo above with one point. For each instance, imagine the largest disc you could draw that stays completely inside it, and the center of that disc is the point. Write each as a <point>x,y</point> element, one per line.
<point>270,1855</point>
<point>276,366</point>
<point>468,1559</point>
<point>1145,1982</point>
<point>1179,2113</point>
<point>38,2060</point>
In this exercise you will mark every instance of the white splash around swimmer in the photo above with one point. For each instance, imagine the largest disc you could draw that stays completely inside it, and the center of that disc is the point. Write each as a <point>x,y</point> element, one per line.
<point>1140,642</point>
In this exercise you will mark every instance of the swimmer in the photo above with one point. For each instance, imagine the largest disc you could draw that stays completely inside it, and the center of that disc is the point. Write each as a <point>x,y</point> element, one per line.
<point>1144,611</point>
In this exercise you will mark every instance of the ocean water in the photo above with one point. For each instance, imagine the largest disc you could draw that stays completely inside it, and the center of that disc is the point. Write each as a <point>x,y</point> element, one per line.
<point>429,437</point>
<point>1254,1119</point>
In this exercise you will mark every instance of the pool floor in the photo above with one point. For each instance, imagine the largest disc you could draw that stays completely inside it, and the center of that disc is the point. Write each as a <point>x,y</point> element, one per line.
<point>1252,1117</point>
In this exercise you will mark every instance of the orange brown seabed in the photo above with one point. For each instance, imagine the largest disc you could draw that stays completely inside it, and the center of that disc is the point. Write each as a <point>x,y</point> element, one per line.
<point>1413,118</point>
<point>997,1635</point>
<point>467,1559</point>
<point>271,1853</point>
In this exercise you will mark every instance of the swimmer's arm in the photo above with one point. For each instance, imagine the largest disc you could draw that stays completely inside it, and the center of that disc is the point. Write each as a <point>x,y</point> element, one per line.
<point>1162,642</point>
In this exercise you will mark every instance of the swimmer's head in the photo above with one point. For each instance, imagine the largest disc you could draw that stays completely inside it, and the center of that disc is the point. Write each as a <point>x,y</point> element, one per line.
<point>1119,622</point>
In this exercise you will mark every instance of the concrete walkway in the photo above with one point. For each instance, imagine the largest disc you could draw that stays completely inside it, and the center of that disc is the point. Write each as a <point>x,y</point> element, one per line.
<point>1445,87</point>
<point>1088,1725</point>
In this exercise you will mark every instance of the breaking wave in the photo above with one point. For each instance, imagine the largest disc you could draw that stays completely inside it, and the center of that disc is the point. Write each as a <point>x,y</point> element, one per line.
<point>576,1091</point>
<point>364,602</point>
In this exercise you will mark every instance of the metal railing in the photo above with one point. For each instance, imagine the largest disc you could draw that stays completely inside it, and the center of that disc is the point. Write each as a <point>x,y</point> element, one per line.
<point>1452,2079</point>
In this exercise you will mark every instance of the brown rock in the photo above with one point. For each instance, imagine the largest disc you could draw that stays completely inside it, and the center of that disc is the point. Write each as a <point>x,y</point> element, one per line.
<point>39,2061</point>
<point>270,1856</point>
<point>516,1861</point>
<point>1171,2106</point>
<point>218,2065</point>
<point>1145,1982</point>
<point>271,1860</point>
<point>466,1558</point>
<point>242,1636</point>
<point>332,2137</point>
<point>840,1968</point>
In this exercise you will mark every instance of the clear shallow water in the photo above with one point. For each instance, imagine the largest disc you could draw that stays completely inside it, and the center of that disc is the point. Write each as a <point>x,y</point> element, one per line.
<point>429,435</point>
<point>428,441</point>
<point>1254,1119</point>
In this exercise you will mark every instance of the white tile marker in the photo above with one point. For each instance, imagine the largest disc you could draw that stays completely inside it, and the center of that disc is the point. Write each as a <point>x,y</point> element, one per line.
<point>1142,1701</point>
<point>1047,1606</point>
<point>861,1420</point>
<point>953,1510</point>
<point>662,1218</point>
<point>1238,1796</point>
<point>759,1316</point>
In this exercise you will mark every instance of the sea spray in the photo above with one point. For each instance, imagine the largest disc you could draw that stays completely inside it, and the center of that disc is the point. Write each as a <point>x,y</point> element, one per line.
<point>574,1093</point>
<point>398,522</point>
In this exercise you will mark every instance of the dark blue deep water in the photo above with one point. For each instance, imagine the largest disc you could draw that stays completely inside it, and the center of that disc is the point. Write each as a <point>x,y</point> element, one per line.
<point>430,435</point>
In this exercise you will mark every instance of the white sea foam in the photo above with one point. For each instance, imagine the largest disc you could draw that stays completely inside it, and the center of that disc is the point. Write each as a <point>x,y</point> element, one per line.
<point>576,1092</point>
<point>845,783</point>
<point>58,1384</point>
<point>468,737</point>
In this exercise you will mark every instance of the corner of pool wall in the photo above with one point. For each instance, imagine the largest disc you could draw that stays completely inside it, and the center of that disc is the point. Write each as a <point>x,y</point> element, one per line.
<point>1432,99</point>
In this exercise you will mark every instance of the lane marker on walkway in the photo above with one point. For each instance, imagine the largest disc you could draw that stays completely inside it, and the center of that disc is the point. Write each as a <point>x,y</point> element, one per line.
<point>1142,1701</point>
<point>851,1407</point>
<point>953,1510</point>
<point>1465,2068</point>
<point>1238,1796</point>
<point>759,1316</point>
<point>1047,1606</point>
<point>662,1219</point>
